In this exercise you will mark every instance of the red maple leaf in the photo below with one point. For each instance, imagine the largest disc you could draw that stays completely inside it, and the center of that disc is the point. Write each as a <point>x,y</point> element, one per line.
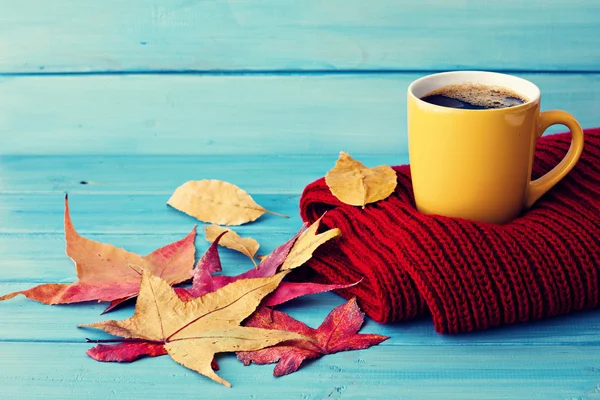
<point>338,332</point>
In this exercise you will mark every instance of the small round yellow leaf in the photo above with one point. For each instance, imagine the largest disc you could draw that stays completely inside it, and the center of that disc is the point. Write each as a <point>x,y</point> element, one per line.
<point>353,183</point>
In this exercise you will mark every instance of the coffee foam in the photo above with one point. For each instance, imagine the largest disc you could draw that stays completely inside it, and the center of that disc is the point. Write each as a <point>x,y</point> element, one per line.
<point>480,95</point>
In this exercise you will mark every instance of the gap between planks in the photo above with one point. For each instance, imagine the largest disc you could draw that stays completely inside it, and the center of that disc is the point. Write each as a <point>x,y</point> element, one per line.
<point>292,72</point>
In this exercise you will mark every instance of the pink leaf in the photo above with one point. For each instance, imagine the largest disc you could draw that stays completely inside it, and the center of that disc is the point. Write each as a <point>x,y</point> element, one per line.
<point>204,281</point>
<point>131,351</point>
<point>210,263</point>
<point>126,352</point>
<point>290,290</point>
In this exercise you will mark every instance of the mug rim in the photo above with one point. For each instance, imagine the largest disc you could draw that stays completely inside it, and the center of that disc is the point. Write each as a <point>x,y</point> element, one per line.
<point>526,88</point>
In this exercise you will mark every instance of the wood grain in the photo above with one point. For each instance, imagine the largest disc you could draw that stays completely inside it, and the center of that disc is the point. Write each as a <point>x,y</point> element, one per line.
<point>126,174</point>
<point>118,103</point>
<point>415,372</point>
<point>258,115</point>
<point>32,251</point>
<point>127,214</point>
<point>268,35</point>
<point>57,324</point>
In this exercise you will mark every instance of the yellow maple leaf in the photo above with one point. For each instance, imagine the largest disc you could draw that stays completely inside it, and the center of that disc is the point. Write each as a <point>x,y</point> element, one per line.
<point>193,332</point>
<point>351,182</point>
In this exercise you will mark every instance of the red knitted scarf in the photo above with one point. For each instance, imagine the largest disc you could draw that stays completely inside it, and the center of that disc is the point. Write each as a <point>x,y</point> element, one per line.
<point>469,275</point>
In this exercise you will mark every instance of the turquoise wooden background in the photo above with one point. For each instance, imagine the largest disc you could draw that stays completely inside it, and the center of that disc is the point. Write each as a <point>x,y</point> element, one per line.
<point>133,98</point>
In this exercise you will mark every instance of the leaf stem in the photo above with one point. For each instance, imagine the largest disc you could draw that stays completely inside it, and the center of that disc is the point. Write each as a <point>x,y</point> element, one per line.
<point>274,213</point>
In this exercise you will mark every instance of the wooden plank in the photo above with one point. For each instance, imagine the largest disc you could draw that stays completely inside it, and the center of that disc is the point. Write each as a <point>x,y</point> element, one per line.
<point>221,35</point>
<point>25,320</point>
<point>59,371</point>
<point>133,213</point>
<point>40,257</point>
<point>191,114</point>
<point>162,174</point>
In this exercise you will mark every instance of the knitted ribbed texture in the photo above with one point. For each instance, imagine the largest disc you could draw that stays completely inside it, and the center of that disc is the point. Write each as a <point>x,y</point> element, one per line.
<point>469,275</point>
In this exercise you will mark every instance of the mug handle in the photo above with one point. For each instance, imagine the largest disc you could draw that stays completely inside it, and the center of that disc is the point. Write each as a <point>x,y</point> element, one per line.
<point>540,186</point>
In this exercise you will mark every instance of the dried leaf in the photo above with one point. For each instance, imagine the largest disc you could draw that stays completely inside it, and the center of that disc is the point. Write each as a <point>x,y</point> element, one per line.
<point>126,352</point>
<point>246,246</point>
<point>217,202</point>
<point>116,303</point>
<point>351,182</point>
<point>306,245</point>
<point>337,333</point>
<point>130,351</point>
<point>209,264</point>
<point>292,290</point>
<point>177,256</point>
<point>204,281</point>
<point>193,332</point>
<point>107,273</point>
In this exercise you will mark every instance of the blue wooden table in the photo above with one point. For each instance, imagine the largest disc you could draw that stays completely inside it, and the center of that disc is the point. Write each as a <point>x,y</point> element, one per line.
<point>118,103</point>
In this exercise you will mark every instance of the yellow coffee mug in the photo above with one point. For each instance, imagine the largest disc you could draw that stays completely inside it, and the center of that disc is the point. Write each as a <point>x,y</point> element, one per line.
<point>476,164</point>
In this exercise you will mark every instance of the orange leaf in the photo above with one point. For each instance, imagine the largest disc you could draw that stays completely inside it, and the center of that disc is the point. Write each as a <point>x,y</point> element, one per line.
<point>108,273</point>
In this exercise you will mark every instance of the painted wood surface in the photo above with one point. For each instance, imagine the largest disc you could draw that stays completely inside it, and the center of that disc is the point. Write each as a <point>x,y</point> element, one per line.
<point>118,103</point>
<point>194,114</point>
<point>102,174</point>
<point>239,35</point>
<point>413,372</point>
<point>43,353</point>
<point>57,324</point>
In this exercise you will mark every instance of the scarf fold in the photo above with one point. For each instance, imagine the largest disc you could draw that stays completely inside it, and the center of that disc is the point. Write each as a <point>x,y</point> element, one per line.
<point>468,275</point>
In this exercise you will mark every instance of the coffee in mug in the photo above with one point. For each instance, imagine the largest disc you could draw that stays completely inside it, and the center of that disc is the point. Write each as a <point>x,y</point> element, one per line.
<point>473,96</point>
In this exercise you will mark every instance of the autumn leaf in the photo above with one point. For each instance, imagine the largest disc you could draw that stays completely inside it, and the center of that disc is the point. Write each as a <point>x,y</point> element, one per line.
<point>246,246</point>
<point>292,290</point>
<point>108,273</point>
<point>177,255</point>
<point>126,352</point>
<point>208,264</point>
<point>202,277</point>
<point>337,333</point>
<point>306,245</point>
<point>205,282</point>
<point>351,182</point>
<point>217,202</point>
<point>193,332</point>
